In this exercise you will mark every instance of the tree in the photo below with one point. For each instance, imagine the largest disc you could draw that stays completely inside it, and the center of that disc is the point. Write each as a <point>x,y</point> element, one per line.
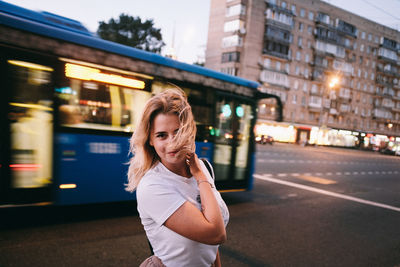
<point>133,32</point>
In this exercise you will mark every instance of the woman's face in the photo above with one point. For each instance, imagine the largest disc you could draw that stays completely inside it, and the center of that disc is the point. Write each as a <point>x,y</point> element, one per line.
<point>164,128</point>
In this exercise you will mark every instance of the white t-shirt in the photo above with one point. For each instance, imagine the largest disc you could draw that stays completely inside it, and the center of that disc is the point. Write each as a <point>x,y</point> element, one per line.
<point>159,194</point>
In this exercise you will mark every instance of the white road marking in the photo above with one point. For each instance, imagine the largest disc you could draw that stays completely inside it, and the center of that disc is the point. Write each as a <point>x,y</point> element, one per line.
<point>328,193</point>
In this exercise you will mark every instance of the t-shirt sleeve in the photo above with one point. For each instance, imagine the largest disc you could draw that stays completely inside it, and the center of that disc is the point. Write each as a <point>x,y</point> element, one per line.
<point>158,201</point>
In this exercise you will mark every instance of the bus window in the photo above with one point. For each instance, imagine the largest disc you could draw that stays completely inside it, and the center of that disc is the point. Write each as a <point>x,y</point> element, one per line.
<point>31,127</point>
<point>245,116</point>
<point>223,138</point>
<point>94,98</point>
<point>202,102</point>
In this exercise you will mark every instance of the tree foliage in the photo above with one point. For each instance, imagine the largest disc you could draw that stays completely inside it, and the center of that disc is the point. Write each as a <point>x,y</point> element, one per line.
<point>133,32</point>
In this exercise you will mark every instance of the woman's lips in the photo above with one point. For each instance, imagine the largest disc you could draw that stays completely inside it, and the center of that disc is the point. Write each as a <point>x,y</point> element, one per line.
<point>172,153</point>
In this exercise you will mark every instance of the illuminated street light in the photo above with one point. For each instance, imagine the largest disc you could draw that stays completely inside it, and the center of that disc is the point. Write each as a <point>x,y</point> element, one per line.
<point>334,81</point>
<point>390,125</point>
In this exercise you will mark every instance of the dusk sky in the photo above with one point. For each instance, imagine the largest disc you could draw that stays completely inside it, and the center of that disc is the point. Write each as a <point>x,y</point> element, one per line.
<point>189,18</point>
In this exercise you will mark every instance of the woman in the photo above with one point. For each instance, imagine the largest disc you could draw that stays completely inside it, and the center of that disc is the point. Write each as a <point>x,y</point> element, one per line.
<point>182,213</point>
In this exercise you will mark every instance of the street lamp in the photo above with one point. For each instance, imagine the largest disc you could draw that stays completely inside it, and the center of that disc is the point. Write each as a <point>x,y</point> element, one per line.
<point>333,82</point>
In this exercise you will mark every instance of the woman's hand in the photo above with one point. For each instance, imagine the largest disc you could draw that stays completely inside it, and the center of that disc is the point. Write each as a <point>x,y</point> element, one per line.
<point>193,162</point>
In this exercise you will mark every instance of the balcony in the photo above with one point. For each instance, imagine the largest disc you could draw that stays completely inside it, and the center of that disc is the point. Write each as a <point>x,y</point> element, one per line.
<point>389,44</point>
<point>276,54</point>
<point>322,18</point>
<point>389,70</point>
<point>387,55</point>
<point>346,28</point>
<point>396,109</point>
<point>327,34</point>
<point>333,111</point>
<point>316,91</point>
<point>381,114</point>
<point>381,81</point>
<point>274,78</point>
<point>344,108</point>
<point>279,16</point>
<point>278,35</point>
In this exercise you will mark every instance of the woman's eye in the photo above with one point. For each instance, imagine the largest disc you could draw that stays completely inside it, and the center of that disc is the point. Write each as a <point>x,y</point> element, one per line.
<point>160,135</point>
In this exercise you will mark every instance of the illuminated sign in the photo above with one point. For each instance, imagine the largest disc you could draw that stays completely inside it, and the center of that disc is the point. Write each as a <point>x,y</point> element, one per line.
<point>226,110</point>
<point>93,74</point>
<point>239,111</point>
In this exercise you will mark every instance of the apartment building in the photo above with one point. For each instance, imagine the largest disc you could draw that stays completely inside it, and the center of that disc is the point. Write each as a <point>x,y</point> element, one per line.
<point>336,73</point>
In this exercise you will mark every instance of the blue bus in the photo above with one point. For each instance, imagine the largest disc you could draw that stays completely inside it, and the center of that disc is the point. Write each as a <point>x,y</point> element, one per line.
<point>70,101</point>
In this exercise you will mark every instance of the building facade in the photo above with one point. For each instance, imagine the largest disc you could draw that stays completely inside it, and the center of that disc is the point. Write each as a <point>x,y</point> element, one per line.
<point>336,73</point>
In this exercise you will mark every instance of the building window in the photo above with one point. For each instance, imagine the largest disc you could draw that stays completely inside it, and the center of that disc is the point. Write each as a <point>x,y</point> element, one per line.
<point>230,71</point>
<point>309,30</point>
<point>267,63</point>
<point>302,12</point>
<point>278,65</point>
<point>305,85</point>
<point>300,41</point>
<point>311,15</point>
<point>300,27</point>
<point>298,55</point>
<point>296,85</point>
<point>230,57</point>
<point>307,58</point>
<point>283,4</point>
<point>294,9</point>
<point>362,35</point>
<point>294,99</point>
<point>369,37</point>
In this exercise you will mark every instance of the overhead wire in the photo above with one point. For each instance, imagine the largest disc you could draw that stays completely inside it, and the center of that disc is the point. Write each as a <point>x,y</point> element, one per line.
<point>384,11</point>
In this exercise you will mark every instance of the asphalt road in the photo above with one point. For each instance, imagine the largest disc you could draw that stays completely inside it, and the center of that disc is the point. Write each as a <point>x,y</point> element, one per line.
<point>310,206</point>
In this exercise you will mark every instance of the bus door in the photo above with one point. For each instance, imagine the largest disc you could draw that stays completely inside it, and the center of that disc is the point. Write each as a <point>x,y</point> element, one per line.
<point>233,142</point>
<point>27,130</point>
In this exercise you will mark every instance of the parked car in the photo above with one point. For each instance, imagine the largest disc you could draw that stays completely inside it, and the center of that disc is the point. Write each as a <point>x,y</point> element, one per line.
<point>264,139</point>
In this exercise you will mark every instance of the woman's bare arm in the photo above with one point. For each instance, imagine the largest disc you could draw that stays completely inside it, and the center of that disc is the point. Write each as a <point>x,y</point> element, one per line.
<point>206,226</point>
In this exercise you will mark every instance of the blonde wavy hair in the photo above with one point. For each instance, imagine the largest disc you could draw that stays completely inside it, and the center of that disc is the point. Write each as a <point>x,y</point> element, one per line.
<point>144,157</point>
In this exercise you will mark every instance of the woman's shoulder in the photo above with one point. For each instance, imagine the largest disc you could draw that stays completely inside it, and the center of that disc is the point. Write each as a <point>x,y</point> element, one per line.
<point>155,177</point>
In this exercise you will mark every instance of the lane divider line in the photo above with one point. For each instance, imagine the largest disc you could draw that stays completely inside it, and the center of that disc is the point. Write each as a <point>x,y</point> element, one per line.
<point>328,193</point>
<point>316,179</point>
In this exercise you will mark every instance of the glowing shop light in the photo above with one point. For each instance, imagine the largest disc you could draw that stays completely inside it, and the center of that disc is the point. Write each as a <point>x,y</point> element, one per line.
<point>32,106</point>
<point>67,186</point>
<point>92,74</point>
<point>29,65</point>
<point>25,167</point>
